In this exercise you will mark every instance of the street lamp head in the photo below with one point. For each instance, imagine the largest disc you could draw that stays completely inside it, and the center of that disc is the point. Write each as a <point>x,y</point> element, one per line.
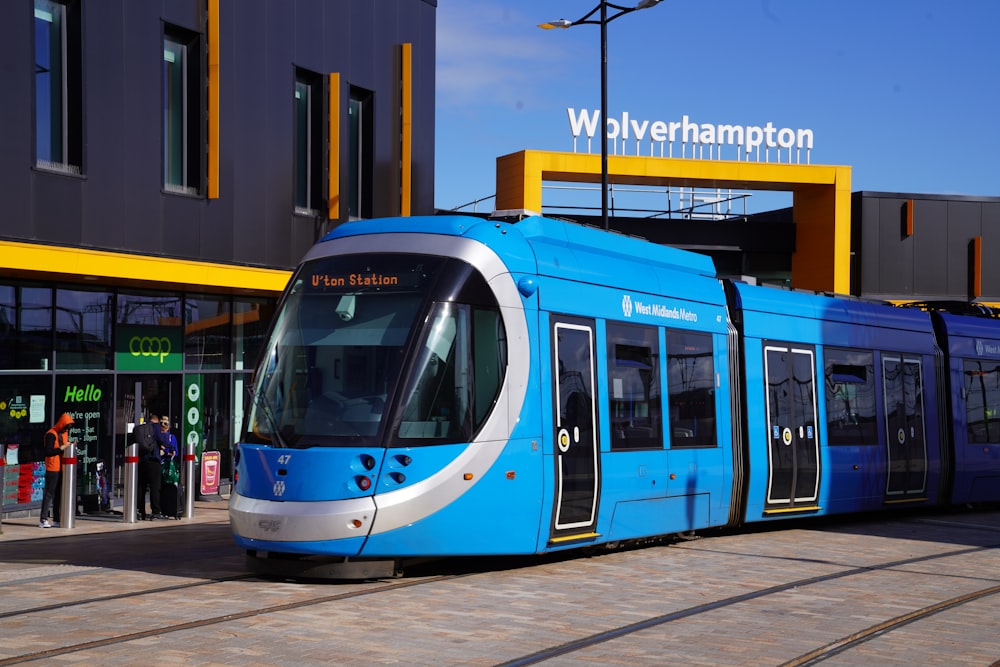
<point>561,23</point>
<point>603,21</point>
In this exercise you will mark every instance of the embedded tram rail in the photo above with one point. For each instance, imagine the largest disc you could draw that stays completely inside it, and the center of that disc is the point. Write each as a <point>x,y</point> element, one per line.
<point>897,589</point>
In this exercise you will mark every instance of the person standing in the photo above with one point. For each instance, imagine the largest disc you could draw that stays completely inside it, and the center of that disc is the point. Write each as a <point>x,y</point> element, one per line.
<point>170,449</point>
<point>168,485</point>
<point>55,442</point>
<point>150,442</point>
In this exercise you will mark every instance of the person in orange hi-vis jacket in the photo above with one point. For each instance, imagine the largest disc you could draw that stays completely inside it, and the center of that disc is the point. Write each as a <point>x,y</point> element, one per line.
<point>56,440</point>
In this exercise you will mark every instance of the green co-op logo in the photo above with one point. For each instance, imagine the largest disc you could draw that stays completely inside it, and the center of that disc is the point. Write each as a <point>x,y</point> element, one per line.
<point>148,346</point>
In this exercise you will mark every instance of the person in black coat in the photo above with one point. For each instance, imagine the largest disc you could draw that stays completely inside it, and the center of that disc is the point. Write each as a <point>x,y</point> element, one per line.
<point>150,441</point>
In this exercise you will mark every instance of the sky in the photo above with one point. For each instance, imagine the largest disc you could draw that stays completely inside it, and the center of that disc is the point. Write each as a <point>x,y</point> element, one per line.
<point>905,92</point>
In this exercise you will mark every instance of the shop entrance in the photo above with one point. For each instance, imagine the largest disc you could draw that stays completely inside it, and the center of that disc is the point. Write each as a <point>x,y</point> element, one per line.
<point>140,396</point>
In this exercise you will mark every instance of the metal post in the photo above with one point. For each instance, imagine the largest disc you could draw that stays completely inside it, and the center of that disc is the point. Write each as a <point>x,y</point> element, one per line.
<point>130,512</point>
<point>604,111</point>
<point>189,480</point>
<point>67,503</point>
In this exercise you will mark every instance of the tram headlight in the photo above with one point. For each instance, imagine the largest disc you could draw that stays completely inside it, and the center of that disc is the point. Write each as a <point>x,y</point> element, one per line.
<point>367,461</point>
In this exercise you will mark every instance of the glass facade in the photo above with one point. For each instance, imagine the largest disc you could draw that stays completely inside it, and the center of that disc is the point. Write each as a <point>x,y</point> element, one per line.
<point>83,329</point>
<point>112,358</point>
<point>25,327</point>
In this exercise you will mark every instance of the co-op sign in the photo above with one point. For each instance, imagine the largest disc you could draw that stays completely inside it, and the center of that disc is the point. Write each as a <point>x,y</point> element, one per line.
<point>661,138</point>
<point>149,349</point>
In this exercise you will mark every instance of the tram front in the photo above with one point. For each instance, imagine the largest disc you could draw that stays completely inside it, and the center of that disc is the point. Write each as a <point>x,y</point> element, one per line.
<point>379,371</point>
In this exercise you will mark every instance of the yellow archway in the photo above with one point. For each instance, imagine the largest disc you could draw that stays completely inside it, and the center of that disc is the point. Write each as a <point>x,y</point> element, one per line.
<point>821,197</point>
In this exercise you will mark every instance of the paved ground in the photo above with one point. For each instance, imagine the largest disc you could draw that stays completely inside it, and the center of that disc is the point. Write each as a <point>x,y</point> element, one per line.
<point>897,590</point>
<point>26,528</point>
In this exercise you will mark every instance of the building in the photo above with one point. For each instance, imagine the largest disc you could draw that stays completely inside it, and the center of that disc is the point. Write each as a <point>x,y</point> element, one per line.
<point>163,167</point>
<point>924,247</point>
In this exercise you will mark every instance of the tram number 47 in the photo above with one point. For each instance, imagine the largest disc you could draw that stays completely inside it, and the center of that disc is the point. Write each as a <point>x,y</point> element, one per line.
<point>284,458</point>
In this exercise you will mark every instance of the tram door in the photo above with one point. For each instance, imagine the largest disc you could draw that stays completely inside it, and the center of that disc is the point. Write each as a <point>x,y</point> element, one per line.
<point>793,443</point>
<point>902,386</point>
<point>576,452</point>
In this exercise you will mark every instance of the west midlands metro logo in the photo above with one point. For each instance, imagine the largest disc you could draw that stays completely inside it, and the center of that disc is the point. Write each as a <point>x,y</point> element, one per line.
<point>627,305</point>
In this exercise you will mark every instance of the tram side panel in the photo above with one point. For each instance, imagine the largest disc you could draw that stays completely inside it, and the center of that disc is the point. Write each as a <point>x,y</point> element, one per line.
<point>831,385</point>
<point>654,473</point>
<point>973,353</point>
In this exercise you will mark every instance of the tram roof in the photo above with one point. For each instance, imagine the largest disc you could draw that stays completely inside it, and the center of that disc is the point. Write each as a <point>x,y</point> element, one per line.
<point>548,236</point>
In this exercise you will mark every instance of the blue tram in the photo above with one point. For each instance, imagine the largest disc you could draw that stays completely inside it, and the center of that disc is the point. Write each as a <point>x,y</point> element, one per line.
<point>455,386</point>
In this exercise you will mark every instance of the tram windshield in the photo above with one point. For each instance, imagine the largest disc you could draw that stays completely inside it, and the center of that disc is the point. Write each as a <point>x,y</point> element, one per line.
<point>388,349</point>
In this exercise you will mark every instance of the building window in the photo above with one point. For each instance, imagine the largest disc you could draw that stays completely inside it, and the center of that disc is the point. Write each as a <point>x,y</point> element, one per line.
<point>58,87</point>
<point>251,318</point>
<point>183,149</point>
<point>25,327</point>
<point>149,309</point>
<point>308,142</point>
<point>362,149</point>
<point>207,332</point>
<point>83,329</point>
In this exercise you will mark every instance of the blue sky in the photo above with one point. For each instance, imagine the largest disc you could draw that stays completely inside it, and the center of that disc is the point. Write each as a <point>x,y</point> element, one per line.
<point>906,92</point>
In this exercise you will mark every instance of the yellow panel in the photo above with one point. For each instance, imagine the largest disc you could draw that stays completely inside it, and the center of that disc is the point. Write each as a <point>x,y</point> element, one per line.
<point>821,196</point>
<point>572,538</point>
<point>213,99</point>
<point>406,130</point>
<point>822,259</point>
<point>977,267</point>
<point>100,267</point>
<point>791,510</point>
<point>513,182</point>
<point>333,183</point>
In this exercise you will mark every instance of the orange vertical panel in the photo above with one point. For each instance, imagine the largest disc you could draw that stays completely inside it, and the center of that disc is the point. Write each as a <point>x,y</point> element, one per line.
<point>213,86</point>
<point>406,129</point>
<point>909,217</point>
<point>977,267</point>
<point>333,185</point>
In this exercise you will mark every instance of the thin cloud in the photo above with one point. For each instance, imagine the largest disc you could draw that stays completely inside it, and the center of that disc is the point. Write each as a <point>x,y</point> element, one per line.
<point>488,54</point>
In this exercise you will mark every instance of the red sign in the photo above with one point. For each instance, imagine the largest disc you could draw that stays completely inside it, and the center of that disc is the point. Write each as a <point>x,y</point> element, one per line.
<point>210,464</point>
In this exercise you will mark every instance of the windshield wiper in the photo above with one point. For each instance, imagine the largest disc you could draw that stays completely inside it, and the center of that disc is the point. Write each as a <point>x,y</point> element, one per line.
<point>261,403</point>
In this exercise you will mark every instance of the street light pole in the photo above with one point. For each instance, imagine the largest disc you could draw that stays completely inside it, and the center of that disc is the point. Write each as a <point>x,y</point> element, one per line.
<point>604,109</point>
<point>603,22</point>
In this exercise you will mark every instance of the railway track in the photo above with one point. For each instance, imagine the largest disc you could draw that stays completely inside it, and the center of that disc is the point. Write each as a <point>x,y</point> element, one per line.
<point>234,617</point>
<point>787,597</point>
<point>810,658</point>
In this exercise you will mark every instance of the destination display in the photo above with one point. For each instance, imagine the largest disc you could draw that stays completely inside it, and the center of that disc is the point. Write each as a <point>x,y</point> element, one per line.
<point>352,275</point>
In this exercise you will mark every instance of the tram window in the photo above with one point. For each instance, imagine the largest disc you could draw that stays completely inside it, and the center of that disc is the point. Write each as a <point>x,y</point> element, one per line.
<point>457,376</point>
<point>850,397</point>
<point>691,389</point>
<point>634,387</point>
<point>981,386</point>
